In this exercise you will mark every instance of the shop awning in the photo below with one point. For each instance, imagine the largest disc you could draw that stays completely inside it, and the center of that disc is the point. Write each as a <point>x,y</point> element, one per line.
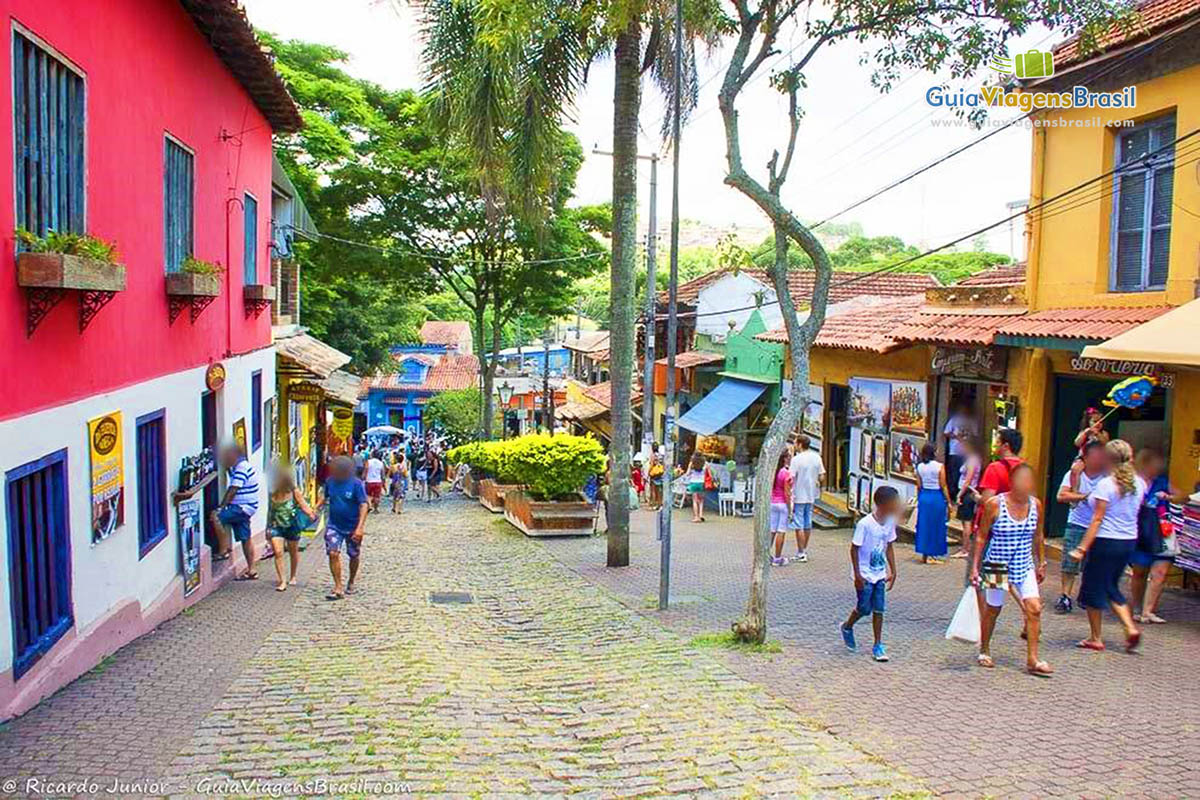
<point>721,406</point>
<point>342,388</point>
<point>303,356</point>
<point>1173,338</point>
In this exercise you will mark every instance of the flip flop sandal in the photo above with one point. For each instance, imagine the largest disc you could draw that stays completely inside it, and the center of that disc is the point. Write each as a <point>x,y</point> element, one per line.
<point>335,596</point>
<point>281,588</point>
<point>222,556</point>
<point>1155,619</point>
<point>247,576</point>
<point>1040,670</point>
<point>1089,645</point>
<point>1132,641</point>
<point>985,661</point>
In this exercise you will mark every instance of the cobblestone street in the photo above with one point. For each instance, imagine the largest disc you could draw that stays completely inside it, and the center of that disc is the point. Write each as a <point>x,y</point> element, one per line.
<point>543,685</point>
<point>1106,725</point>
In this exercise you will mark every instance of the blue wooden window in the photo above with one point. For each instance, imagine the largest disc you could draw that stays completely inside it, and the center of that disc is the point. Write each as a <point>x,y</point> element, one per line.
<point>250,254</point>
<point>178,203</point>
<point>1142,191</point>
<point>256,418</point>
<point>39,557</point>
<point>48,124</point>
<point>151,480</point>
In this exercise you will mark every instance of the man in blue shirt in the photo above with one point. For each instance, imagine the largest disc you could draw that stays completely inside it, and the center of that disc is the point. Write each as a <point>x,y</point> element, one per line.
<point>238,506</point>
<point>347,500</point>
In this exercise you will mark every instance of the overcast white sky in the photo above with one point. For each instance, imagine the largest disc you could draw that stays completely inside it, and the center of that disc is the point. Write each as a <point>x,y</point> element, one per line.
<point>853,139</point>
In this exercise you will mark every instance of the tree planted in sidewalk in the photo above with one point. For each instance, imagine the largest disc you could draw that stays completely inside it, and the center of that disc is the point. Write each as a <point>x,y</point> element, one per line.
<point>961,35</point>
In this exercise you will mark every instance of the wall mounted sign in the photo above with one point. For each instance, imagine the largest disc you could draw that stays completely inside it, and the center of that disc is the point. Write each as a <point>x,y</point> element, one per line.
<point>239,433</point>
<point>305,392</point>
<point>1110,366</point>
<point>987,363</point>
<point>108,475</point>
<point>343,422</point>
<point>214,376</point>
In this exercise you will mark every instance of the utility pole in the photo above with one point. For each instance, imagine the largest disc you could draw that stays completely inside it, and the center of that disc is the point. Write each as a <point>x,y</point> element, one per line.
<point>547,400</point>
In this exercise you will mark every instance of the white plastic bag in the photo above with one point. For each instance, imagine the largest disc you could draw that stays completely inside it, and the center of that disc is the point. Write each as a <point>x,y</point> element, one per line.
<point>965,625</point>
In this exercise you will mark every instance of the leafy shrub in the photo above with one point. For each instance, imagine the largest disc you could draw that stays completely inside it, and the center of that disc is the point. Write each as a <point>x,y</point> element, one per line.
<point>455,414</point>
<point>196,266</point>
<point>554,467</point>
<point>71,244</point>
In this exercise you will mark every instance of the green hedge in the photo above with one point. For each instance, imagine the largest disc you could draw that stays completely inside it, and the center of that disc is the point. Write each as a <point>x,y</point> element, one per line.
<point>550,467</point>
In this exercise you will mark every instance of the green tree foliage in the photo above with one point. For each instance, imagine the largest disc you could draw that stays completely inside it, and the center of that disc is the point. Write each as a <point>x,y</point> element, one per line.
<point>456,413</point>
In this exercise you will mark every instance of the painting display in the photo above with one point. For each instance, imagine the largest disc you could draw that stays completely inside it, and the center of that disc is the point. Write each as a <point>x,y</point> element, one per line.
<point>716,446</point>
<point>910,406</point>
<point>880,463</point>
<point>866,452</point>
<point>906,449</point>
<point>239,434</point>
<point>864,494</point>
<point>852,492</point>
<point>870,404</point>
<point>108,474</point>
<point>190,538</point>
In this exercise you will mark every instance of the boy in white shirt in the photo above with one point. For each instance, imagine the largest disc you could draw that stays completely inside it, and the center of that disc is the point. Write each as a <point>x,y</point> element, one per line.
<point>873,565</point>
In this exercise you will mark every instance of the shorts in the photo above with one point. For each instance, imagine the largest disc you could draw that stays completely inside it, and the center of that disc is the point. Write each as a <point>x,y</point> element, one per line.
<point>399,487</point>
<point>1026,591</point>
<point>872,598</point>
<point>802,516</point>
<point>374,490</point>
<point>695,488</point>
<point>334,539</point>
<point>966,509</point>
<point>779,517</point>
<point>1072,536</point>
<point>422,474</point>
<point>1139,559</point>
<point>237,520</point>
<point>1102,572</point>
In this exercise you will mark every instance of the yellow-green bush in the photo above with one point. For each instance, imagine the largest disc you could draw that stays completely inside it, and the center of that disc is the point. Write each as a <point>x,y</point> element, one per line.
<point>551,467</point>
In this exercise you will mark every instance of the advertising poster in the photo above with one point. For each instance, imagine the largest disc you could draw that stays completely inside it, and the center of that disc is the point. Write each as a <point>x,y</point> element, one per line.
<point>191,536</point>
<point>239,434</point>
<point>108,475</point>
<point>910,407</point>
<point>870,404</point>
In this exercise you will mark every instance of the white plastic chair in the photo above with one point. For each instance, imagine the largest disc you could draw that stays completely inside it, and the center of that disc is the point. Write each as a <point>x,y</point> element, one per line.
<point>678,493</point>
<point>725,501</point>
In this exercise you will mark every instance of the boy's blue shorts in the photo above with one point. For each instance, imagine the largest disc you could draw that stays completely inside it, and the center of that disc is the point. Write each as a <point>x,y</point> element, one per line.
<point>872,598</point>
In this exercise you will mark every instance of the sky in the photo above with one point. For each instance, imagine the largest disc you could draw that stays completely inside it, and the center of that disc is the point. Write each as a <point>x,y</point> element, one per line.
<point>853,139</point>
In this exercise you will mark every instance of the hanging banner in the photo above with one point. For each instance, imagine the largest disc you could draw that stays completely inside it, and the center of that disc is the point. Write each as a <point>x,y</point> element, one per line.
<point>343,423</point>
<point>108,475</point>
<point>190,538</point>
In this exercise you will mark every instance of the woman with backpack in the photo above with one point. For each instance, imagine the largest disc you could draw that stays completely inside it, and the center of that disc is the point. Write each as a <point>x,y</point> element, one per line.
<point>1156,548</point>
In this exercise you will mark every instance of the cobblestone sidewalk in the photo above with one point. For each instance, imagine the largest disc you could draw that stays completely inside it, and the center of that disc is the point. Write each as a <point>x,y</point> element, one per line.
<point>543,685</point>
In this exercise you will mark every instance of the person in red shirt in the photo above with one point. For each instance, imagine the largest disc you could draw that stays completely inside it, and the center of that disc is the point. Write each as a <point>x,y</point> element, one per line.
<point>996,478</point>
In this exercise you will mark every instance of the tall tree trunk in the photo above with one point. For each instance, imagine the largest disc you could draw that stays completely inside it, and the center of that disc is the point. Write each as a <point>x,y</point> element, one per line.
<point>489,374</point>
<point>626,103</point>
<point>486,374</point>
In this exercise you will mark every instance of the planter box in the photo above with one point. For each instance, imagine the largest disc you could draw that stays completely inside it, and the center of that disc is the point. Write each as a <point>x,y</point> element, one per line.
<point>258,293</point>
<point>471,486</point>
<point>491,494</point>
<point>549,518</point>
<point>191,284</point>
<point>62,271</point>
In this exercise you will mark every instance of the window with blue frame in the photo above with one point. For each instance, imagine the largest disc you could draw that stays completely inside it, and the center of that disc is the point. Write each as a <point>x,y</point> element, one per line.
<point>1142,189</point>
<point>151,480</point>
<point>179,175</point>
<point>412,371</point>
<point>39,557</point>
<point>48,140</point>
<point>256,409</point>
<point>250,254</point>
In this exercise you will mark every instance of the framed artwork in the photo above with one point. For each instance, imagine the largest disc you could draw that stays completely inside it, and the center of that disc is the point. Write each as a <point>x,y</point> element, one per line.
<point>910,406</point>
<point>813,424</point>
<point>881,463</point>
<point>906,448</point>
<point>864,494</point>
<point>852,492</point>
<point>870,404</point>
<point>866,452</point>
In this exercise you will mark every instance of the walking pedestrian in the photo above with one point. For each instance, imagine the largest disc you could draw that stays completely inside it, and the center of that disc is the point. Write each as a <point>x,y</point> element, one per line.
<point>807,470</point>
<point>347,501</point>
<point>285,523</point>
<point>237,507</point>
<point>421,469</point>
<point>873,566</point>
<point>1108,544</point>
<point>1077,486</point>
<point>694,480</point>
<point>656,472</point>
<point>638,480</point>
<point>967,498</point>
<point>781,507</point>
<point>373,471</point>
<point>933,505</point>
<point>1154,552</point>
<point>1011,534</point>
<point>437,474</point>
<point>399,487</point>
<point>995,478</point>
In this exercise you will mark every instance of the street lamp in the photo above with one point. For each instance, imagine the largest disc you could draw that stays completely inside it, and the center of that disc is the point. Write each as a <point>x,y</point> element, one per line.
<point>506,392</point>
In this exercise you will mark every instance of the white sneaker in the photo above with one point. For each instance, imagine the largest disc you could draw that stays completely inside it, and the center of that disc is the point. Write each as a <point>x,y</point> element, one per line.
<point>801,557</point>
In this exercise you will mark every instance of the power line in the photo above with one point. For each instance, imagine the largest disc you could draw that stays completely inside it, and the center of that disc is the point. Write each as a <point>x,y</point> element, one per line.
<point>417,254</point>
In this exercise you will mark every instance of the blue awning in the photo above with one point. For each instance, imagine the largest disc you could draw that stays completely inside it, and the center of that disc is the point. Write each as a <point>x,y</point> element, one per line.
<point>721,406</point>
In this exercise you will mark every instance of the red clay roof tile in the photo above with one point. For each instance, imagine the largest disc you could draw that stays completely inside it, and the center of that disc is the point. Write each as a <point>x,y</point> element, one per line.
<point>1152,17</point>
<point>1081,323</point>
<point>871,328</point>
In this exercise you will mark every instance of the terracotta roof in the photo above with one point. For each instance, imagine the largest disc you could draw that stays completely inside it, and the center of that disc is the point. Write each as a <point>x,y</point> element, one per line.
<point>845,284</point>
<point>1086,323</point>
<point>588,342</point>
<point>694,358</point>
<point>223,23</point>
<point>309,354</point>
<point>870,329</point>
<point>445,332</point>
<point>342,387</point>
<point>1153,16</point>
<point>424,358</point>
<point>939,327</point>
<point>1000,275</point>
<point>580,410</point>
<point>452,371</point>
<point>602,393</point>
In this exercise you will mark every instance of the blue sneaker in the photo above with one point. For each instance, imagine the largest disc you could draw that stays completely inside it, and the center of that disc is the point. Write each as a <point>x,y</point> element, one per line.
<point>848,637</point>
<point>880,652</point>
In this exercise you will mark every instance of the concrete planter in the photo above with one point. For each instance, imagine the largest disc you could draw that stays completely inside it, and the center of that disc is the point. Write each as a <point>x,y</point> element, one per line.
<point>193,284</point>
<point>549,518</point>
<point>62,271</point>
<point>471,486</point>
<point>491,494</point>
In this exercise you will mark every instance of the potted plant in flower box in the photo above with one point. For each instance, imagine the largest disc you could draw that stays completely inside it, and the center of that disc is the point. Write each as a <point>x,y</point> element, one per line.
<point>552,470</point>
<point>490,463</point>
<point>63,260</point>
<point>195,278</point>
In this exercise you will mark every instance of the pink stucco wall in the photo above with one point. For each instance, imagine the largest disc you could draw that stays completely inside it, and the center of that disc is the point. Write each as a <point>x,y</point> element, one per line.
<point>148,72</point>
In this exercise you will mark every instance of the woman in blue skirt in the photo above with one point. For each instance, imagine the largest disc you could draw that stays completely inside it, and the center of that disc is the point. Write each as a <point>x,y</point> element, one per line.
<point>933,505</point>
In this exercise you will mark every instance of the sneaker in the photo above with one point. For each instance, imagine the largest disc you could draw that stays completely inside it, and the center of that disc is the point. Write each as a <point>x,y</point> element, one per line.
<point>779,562</point>
<point>848,637</point>
<point>801,557</point>
<point>879,652</point>
<point>1063,606</point>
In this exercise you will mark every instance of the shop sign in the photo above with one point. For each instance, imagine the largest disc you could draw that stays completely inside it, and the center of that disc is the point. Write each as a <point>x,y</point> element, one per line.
<point>989,363</point>
<point>190,537</point>
<point>214,376</point>
<point>343,423</point>
<point>305,392</point>
<point>1111,366</point>
<point>239,434</point>
<point>108,475</point>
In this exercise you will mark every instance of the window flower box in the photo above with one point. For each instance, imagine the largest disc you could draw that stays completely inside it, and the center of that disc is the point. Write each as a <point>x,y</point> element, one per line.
<point>46,277</point>
<point>549,518</point>
<point>191,290</point>
<point>257,297</point>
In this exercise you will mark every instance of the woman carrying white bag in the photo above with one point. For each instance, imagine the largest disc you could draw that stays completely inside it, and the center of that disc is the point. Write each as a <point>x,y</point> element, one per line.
<point>1010,557</point>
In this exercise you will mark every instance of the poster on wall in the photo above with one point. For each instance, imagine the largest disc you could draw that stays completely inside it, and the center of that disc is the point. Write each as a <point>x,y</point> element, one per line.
<point>108,475</point>
<point>910,406</point>
<point>906,449</point>
<point>852,492</point>
<point>866,452</point>
<point>239,434</point>
<point>881,463</point>
<point>864,494</point>
<point>716,446</point>
<point>870,404</point>
<point>190,538</point>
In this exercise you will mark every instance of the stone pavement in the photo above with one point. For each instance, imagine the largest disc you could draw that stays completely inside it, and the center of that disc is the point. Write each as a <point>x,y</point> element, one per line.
<point>543,685</point>
<point>1106,725</point>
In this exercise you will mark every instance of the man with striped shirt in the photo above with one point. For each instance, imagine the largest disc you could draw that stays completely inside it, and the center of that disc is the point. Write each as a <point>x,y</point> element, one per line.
<point>237,507</point>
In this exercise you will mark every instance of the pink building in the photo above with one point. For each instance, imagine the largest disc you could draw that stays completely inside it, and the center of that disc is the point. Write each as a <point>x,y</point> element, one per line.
<point>147,123</point>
